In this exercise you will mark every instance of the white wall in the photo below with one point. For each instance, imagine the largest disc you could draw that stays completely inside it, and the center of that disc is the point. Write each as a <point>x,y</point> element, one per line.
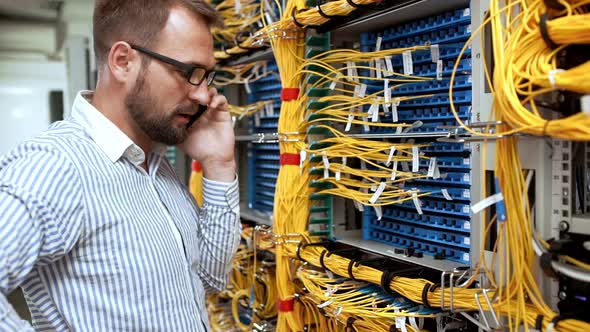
<point>24,98</point>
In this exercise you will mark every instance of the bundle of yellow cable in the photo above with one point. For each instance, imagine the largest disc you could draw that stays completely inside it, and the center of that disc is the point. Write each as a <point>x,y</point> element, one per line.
<point>463,298</point>
<point>249,110</point>
<point>238,16</point>
<point>241,74</point>
<point>304,17</point>
<point>526,67</point>
<point>291,204</point>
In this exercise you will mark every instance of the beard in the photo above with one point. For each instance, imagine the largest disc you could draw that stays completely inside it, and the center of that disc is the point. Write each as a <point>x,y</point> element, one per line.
<point>157,125</point>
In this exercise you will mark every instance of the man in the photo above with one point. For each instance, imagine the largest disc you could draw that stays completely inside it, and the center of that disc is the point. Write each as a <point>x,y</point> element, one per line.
<point>95,226</point>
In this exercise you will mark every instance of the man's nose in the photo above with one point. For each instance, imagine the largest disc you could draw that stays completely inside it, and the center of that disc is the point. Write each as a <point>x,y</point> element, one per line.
<point>199,94</point>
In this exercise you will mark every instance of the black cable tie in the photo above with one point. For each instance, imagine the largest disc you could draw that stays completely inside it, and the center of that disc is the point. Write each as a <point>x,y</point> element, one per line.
<point>322,13</point>
<point>350,264</point>
<point>322,259</point>
<point>349,324</point>
<point>386,279</point>
<point>539,323</point>
<point>295,19</point>
<point>425,295</point>
<point>352,4</point>
<point>545,32</point>
<point>298,251</point>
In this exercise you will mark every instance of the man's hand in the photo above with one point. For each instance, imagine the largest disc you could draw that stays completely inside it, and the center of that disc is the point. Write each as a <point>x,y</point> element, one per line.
<point>211,141</point>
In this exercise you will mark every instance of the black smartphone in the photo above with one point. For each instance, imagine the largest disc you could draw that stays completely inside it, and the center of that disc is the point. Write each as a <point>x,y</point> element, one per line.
<point>201,111</point>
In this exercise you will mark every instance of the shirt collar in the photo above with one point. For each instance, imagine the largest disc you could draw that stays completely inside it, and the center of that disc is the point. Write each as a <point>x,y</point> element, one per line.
<point>110,139</point>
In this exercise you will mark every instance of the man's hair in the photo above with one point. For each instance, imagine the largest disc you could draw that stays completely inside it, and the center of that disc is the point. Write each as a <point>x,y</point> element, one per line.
<point>139,21</point>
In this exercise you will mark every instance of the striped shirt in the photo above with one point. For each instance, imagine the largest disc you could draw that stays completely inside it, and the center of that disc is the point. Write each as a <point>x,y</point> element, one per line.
<point>99,244</point>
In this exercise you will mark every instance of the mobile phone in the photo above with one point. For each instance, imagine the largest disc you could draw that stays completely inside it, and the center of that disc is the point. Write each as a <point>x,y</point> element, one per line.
<point>201,111</point>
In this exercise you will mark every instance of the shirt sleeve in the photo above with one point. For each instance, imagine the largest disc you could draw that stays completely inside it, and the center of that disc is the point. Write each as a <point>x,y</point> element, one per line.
<point>41,219</point>
<point>221,229</point>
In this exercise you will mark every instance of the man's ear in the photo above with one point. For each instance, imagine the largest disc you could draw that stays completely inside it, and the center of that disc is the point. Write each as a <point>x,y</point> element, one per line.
<point>123,62</point>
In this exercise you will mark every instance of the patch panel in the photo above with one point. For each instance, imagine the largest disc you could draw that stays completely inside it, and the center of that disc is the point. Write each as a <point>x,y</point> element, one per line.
<point>264,158</point>
<point>443,229</point>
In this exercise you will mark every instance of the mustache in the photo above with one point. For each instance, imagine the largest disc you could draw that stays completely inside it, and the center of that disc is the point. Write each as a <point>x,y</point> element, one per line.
<point>189,109</point>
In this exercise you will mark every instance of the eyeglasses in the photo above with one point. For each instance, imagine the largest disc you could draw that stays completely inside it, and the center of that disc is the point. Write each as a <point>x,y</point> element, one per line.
<point>194,74</point>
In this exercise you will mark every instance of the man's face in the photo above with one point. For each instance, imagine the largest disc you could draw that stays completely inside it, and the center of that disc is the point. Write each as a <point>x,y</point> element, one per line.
<point>162,100</point>
<point>159,124</point>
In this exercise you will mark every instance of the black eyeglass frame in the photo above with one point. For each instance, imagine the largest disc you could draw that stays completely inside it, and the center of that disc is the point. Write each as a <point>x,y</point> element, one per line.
<point>188,69</point>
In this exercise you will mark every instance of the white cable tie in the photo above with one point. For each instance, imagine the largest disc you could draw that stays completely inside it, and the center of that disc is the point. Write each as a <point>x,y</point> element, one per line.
<point>326,165</point>
<point>552,74</point>
<point>378,212</point>
<point>377,193</point>
<point>349,122</point>
<point>386,91</point>
<point>487,202</point>
<point>415,159</point>
<point>378,44</point>
<point>390,157</point>
<point>362,90</point>
<point>413,323</point>
<point>325,304</point>
<point>338,311</point>
<point>434,52</point>
<point>389,65</point>
<point>416,201</point>
<point>408,62</point>
<point>394,170</point>
<point>445,193</point>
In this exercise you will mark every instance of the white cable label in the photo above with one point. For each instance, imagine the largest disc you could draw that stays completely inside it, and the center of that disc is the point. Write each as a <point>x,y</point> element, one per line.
<point>270,109</point>
<point>302,156</point>
<point>363,165</point>
<point>390,157</point>
<point>326,165</point>
<point>439,70</point>
<point>357,91</point>
<point>349,71</point>
<point>257,119</point>
<point>386,91</point>
<point>445,193</point>
<point>333,84</point>
<point>394,170</point>
<point>486,202</point>
<point>377,193</point>
<point>394,117</point>
<point>358,206</point>
<point>338,175</point>
<point>378,44</point>
<point>431,165</point>
<point>408,63</point>
<point>349,122</point>
<point>365,125</point>
<point>343,161</point>
<point>415,159</point>
<point>247,86</point>
<point>374,112</point>
<point>434,53</point>
<point>378,68</point>
<point>585,104</point>
<point>389,65</point>
<point>416,201</point>
<point>378,212</point>
<point>238,6</point>
<point>362,90</point>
